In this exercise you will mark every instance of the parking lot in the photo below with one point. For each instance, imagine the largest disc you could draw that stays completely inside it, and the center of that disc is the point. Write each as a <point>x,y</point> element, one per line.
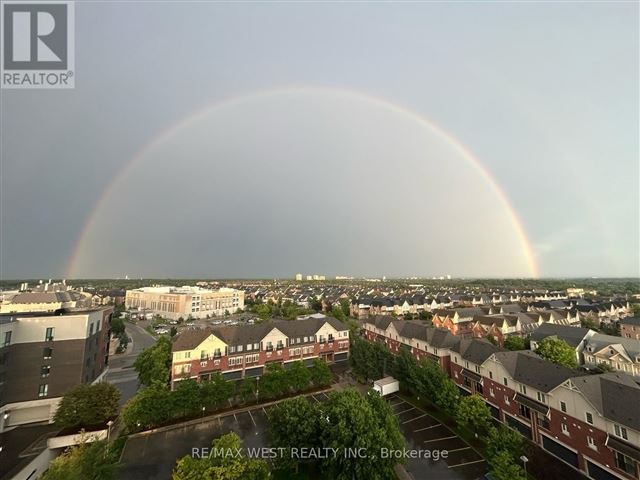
<point>153,456</point>
<point>423,432</point>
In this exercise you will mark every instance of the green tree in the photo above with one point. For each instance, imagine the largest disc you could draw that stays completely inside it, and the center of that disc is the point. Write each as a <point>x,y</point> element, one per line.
<point>504,439</point>
<point>117,326</point>
<point>315,304</point>
<point>221,466</point>
<point>294,423</point>
<point>262,310</point>
<point>503,467</point>
<point>298,376</point>
<point>87,460</point>
<point>247,389</point>
<point>514,343</point>
<point>320,373</point>
<point>337,312</point>
<point>88,405</point>
<point>154,363</point>
<point>216,391</point>
<point>151,406</point>
<point>557,351</point>
<point>473,411</point>
<point>274,381</point>
<point>186,399</point>
<point>353,421</point>
<point>344,305</point>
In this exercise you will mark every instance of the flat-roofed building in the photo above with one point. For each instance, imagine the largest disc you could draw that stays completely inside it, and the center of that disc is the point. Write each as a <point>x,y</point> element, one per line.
<point>42,355</point>
<point>185,302</point>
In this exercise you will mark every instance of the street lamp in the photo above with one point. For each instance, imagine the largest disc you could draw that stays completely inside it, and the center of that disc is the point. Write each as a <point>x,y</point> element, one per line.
<point>524,463</point>
<point>203,408</point>
<point>109,424</point>
<point>257,388</point>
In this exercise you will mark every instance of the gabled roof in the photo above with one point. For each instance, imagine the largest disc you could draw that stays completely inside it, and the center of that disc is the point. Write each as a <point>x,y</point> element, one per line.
<point>615,395</point>
<point>476,350</point>
<point>190,339</point>
<point>532,370</point>
<point>572,335</point>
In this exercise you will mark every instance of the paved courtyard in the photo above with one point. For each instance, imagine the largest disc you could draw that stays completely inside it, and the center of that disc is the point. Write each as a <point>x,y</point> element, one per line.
<point>423,432</point>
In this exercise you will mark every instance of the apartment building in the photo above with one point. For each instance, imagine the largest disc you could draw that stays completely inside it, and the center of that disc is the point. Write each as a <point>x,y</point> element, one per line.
<point>591,422</point>
<point>184,302</point>
<point>244,350</point>
<point>42,355</point>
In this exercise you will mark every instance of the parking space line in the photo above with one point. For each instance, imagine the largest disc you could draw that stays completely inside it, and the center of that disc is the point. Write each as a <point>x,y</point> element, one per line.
<point>265,413</point>
<point>459,449</point>
<point>234,416</point>
<point>439,439</point>
<point>394,404</point>
<point>314,397</point>
<point>466,463</point>
<point>325,395</point>
<point>405,411</point>
<point>427,428</point>
<point>415,418</point>
<point>254,422</point>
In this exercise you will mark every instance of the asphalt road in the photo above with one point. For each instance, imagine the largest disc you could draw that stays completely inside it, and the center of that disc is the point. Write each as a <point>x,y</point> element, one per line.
<point>121,372</point>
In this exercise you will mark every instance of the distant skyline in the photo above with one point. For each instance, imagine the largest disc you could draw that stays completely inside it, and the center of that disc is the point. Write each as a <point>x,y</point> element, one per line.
<point>217,140</point>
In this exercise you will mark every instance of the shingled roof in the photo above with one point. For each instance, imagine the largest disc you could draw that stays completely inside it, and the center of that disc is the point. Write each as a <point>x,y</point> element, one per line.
<point>530,369</point>
<point>615,395</point>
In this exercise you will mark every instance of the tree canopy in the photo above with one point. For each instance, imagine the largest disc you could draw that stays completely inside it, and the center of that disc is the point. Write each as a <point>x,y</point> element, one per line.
<point>94,461</point>
<point>514,343</point>
<point>557,351</point>
<point>87,404</point>
<point>154,363</point>
<point>221,466</point>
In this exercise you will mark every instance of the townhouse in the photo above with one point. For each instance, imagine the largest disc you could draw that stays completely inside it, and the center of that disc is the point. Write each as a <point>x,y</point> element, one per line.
<point>630,328</point>
<point>593,348</point>
<point>590,422</point>
<point>244,350</point>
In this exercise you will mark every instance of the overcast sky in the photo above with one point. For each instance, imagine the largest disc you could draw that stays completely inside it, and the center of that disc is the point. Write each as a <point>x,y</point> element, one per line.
<point>319,180</point>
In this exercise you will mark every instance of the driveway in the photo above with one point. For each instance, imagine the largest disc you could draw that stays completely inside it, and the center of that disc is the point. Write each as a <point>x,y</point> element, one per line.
<point>121,372</point>
<point>423,432</point>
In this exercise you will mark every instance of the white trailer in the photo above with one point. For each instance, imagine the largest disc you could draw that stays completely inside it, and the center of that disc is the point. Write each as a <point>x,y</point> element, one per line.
<point>386,386</point>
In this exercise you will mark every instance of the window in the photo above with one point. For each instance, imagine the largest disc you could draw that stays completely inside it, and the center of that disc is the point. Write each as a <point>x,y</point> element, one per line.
<point>232,349</point>
<point>217,353</point>
<point>466,364</point>
<point>233,361</point>
<point>620,431</point>
<point>505,381</point>
<point>249,346</point>
<point>187,355</point>
<point>491,392</point>
<point>256,346</point>
<point>563,407</point>
<point>591,443</point>
<point>294,352</point>
<point>541,397</point>
<point>491,375</point>
<point>524,411</point>
<point>7,339</point>
<point>251,358</point>
<point>589,418</point>
<point>47,353</point>
<point>523,389</point>
<point>43,390</point>
<point>269,346</point>
<point>45,370</point>
<point>625,463</point>
<point>477,369</point>
<point>565,429</point>
<point>239,348</point>
<point>506,400</point>
<point>48,336</point>
<point>91,329</point>
<point>280,345</point>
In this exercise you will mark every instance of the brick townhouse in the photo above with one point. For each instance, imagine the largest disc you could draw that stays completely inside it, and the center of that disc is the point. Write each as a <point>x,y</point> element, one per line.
<point>591,422</point>
<point>243,350</point>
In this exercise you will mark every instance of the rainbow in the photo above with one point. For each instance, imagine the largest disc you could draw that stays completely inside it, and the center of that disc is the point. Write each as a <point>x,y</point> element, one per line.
<point>193,118</point>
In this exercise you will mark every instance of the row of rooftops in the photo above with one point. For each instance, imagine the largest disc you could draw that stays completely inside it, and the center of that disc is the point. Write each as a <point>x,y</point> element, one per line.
<point>249,334</point>
<point>615,395</point>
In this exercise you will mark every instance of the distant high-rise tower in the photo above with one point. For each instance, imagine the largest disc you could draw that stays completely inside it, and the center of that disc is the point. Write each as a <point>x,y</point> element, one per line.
<point>298,277</point>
